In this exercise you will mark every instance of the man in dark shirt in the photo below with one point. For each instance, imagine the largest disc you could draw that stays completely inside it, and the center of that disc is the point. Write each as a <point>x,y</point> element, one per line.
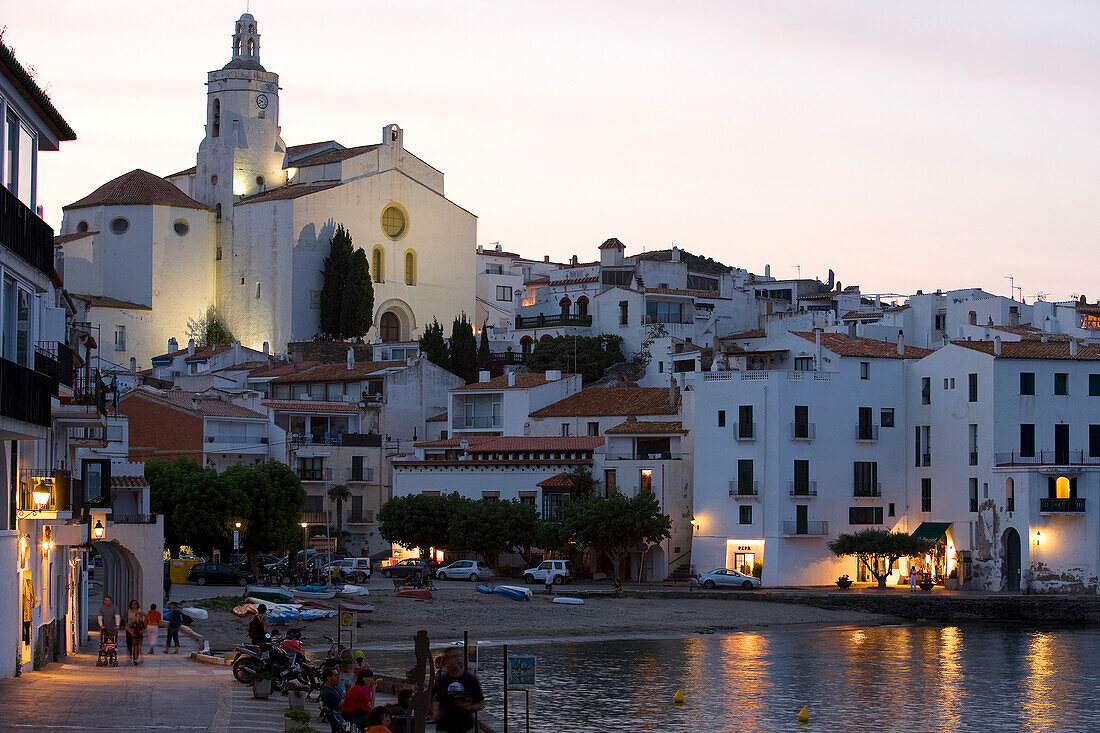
<point>332,694</point>
<point>108,616</point>
<point>457,695</point>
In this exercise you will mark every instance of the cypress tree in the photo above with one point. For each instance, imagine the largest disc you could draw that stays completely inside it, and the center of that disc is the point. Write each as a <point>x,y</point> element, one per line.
<point>463,351</point>
<point>432,344</point>
<point>483,353</point>
<point>357,308</point>
<point>334,277</point>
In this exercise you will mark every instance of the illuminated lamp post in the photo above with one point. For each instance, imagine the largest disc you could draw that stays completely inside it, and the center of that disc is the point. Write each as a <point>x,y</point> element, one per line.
<point>41,493</point>
<point>98,531</point>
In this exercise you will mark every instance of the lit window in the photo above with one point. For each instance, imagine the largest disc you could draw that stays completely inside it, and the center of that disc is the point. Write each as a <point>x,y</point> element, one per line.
<point>393,222</point>
<point>410,268</point>
<point>646,480</point>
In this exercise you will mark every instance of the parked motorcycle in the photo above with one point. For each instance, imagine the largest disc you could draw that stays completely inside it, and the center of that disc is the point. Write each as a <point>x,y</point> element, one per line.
<point>282,657</point>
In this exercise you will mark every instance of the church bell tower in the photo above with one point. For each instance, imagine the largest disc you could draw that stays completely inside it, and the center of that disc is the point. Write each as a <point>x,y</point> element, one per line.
<point>242,153</point>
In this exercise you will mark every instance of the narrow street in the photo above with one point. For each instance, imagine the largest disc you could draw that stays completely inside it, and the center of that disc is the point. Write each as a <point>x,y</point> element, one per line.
<point>164,693</point>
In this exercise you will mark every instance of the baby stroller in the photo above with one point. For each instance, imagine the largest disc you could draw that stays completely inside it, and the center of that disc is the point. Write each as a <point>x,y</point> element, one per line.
<point>108,649</point>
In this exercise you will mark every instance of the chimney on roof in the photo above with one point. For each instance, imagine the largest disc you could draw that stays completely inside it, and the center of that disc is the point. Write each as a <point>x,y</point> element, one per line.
<point>351,358</point>
<point>190,347</point>
<point>767,270</point>
<point>484,376</point>
<point>499,248</point>
<point>133,365</point>
<point>901,343</point>
<point>546,258</point>
<point>196,403</point>
<point>1045,337</point>
<point>573,261</point>
<point>675,253</point>
<point>267,348</point>
<point>1013,316</point>
<point>173,345</point>
<point>986,336</point>
<point>1073,347</point>
<point>852,332</point>
<point>511,379</point>
<point>674,393</point>
<point>996,345</point>
<point>480,249</point>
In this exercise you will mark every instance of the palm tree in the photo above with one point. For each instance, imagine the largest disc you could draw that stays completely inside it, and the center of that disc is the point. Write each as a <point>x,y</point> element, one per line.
<point>339,493</point>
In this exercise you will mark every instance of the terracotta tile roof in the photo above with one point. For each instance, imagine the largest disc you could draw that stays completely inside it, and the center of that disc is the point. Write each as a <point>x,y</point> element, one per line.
<point>756,333</point>
<point>202,353</point>
<point>708,294</point>
<point>244,366</point>
<point>332,156</point>
<point>208,406</point>
<point>441,417</point>
<point>820,296</point>
<point>128,482</point>
<point>14,71</point>
<point>842,345</point>
<point>1034,349</point>
<point>337,372</point>
<point>1028,332</point>
<point>560,481</point>
<point>612,243</point>
<point>289,368</point>
<point>137,188</point>
<point>1089,308</point>
<point>862,315</point>
<point>286,193</point>
<point>300,150</point>
<point>646,427</point>
<point>611,401</point>
<point>508,443</point>
<point>312,406</point>
<point>896,309</point>
<point>103,301</point>
<point>185,172</point>
<point>524,380</point>
<point>63,238</point>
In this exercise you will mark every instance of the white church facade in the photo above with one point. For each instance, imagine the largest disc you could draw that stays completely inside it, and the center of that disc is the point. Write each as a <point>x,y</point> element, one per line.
<point>247,229</point>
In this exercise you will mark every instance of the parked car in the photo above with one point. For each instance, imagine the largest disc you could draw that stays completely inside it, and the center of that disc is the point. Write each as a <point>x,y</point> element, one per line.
<point>562,570</point>
<point>726,578</point>
<point>356,569</point>
<point>241,561</point>
<point>408,568</point>
<point>216,573</point>
<point>473,569</point>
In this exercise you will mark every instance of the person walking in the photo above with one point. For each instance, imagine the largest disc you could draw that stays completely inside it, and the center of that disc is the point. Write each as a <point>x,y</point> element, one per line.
<point>457,695</point>
<point>108,616</point>
<point>135,623</point>
<point>912,578</point>
<point>175,619</point>
<point>152,630</point>
<point>167,584</point>
<point>549,582</point>
<point>257,628</point>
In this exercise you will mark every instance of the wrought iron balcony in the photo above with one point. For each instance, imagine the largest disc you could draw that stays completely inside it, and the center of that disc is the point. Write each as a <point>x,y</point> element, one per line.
<point>25,394</point>
<point>867,491</point>
<point>804,529</point>
<point>55,481</point>
<point>803,431</point>
<point>24,233</point>
<point>1047,458</point>
<point>807,488</point>
<point>744,489</point>
<point>744,431</point>
<point>866,433</point>
<point>55,360</point>
<point>1049,505</point>
<point>553,320</point>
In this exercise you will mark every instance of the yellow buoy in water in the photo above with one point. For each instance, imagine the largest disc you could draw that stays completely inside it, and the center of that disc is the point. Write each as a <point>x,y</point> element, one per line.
<point>804,714</point>
<point>678,698</point>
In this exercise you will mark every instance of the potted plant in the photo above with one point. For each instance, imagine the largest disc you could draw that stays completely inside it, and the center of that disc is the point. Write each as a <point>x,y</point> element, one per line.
<point>295,719</point>
<point>844,582</point>
<point>926,583</point>
<point>261,684</point>
<point>296,695</point>
<point>952,580</point>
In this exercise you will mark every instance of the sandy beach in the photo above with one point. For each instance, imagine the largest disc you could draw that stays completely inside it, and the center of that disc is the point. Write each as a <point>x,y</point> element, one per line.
<point>490,617</point>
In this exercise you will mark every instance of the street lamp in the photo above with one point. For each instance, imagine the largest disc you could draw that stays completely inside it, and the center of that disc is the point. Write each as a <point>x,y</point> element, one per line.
<point>237,525</point>
<point>41,493</point>
<point>97,530</point>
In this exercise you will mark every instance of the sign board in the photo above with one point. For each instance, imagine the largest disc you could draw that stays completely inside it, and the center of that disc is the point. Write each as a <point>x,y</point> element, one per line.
<point>643,547</point>
<point>471,655</point>
<point>521,672</point>
<point>236,539</point>
<point>347,619</point>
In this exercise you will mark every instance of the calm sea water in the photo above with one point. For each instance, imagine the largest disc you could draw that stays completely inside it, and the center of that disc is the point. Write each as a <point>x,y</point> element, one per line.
<point>913,678</point>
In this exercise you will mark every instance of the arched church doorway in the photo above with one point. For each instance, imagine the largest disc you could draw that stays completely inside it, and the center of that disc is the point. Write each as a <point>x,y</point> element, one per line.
<point>1011,564</point>
<point>389,327</point>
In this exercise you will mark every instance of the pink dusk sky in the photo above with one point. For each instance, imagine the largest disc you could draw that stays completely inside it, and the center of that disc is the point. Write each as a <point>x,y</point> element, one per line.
<point>904,144</point>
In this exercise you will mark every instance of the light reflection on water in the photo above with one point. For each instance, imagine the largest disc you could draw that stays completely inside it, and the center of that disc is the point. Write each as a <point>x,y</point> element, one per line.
<point>915,678</point>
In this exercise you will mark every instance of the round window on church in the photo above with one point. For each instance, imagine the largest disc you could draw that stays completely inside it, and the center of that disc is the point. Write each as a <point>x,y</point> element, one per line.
<point>82,226</point>
<point>119,225</point>
<point>260,181</point>
<point>181,227</point>
<point>393,222</point>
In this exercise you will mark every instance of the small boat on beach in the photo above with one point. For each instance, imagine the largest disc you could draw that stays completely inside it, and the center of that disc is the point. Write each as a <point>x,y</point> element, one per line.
<point>351,591</point>
<point>316,592</point>
<point>356,606</point>
<point>568,601</point>
<point>417,593</point>
<point>268,594</point>
<point>514,592</point>
<point>484,589</point>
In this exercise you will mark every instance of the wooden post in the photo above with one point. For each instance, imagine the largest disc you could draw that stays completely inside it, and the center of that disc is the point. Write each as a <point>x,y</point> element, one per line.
<point>415,677</point>
<point>505,688</point>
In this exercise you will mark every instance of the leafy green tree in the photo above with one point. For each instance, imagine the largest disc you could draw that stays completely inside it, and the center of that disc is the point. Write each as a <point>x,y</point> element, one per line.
<point>270,497</point>
<point>551,537</point>
<point>463,350</point>
<point>340,494</point>
<point>878,549</point>
<point>483,352</point>
<point>617,524</point>
<point>433,346</point>
<point>589,356</point>
<point>584,483</point>
<point>357,309</point>
<point>198,507</point>
<point>334,276</point>
<point>654,331</point>
<point>209,330</point>
<point>418,521</point>
<point>489,528</point>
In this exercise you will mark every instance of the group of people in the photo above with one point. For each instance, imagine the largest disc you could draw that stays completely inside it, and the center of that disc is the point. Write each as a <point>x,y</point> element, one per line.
<point>139,625</point>
<point>456,695</point>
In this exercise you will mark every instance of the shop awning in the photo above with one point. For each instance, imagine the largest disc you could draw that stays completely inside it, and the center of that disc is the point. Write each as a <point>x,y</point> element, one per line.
<point>931,531</point>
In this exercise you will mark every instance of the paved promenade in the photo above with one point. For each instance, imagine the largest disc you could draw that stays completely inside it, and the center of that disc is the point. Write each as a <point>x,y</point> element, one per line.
<point>164,693</point>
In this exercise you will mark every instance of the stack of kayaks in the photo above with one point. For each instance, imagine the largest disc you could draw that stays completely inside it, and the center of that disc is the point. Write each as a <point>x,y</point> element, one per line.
<point>269,594</point>
<point>319,592</point>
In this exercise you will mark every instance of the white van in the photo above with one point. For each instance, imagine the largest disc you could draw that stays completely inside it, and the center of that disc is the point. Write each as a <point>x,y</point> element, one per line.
<point>562,570</point>
<point>356,569</point>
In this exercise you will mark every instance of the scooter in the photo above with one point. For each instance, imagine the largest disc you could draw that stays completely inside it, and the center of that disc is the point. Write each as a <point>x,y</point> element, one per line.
<point>279,656</point>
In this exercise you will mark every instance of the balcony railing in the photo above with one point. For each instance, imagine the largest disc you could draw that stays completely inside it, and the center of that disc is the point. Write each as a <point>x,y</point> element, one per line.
<point>744,431</point>
<point>474,423</point>
<point>58,482</point>
<point>25,393</point>
<point>973,458</point>
<point>1047,458</point>
<point>926,459</point>
<point>311,474</point>
<point>55,360</point>
<point>24,233</point>
<point>89,390</point>
<point>364,516</point>
<point>133,519</point>
<point>804,529</point>
<point>313,517</point>
<point>358,440</point>
<point>865,491</point>
<point>511,358</point>
<point>866,433</point>
<point>1061,506</point>
<point>807,488</point>
<point>744,489</point>
<point>804,431</point>
<point>553,320</point>
<point>643,455</point>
